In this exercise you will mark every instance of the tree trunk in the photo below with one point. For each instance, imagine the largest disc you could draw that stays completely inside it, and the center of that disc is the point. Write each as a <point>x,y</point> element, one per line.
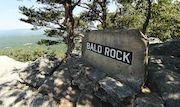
<point>148,16</point>
<point>70,27</point>
<point>104,10</point>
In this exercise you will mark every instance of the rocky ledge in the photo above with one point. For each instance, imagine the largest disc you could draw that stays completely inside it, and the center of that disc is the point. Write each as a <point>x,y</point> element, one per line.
<point>52,82</point>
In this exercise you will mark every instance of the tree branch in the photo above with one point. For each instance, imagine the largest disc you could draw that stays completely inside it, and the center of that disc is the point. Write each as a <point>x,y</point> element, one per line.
<point>73,6</point>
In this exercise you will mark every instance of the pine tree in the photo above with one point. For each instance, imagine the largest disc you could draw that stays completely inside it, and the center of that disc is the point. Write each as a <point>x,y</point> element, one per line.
<point>57,15</point>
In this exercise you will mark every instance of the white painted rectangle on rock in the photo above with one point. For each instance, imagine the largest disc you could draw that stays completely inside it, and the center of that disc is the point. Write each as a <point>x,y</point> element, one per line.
<point>123,54</point>
<point>117,54</point>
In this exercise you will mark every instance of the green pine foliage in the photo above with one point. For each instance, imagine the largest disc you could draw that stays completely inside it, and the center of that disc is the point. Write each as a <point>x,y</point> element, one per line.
<point>165,20</point>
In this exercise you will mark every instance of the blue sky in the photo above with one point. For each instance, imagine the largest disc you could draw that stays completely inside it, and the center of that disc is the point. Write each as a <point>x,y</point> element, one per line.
<point>10,14</point>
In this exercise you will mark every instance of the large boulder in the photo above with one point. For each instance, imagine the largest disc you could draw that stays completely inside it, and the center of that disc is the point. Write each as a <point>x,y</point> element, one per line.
<point>15,94</point>
<point>164,62</point>
<point>164,78</point>
<point>115,92</point>
<point>122,54</point>
<point>37,71</point>
<point>164,71</point>
<point>18,95</point>
<point>9,68</point>
<point>148,100</point>
<point>59,86</point>
<point>169,48</point>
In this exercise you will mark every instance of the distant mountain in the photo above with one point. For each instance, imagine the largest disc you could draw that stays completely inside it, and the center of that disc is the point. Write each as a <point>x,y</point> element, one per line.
<point>21,32</point>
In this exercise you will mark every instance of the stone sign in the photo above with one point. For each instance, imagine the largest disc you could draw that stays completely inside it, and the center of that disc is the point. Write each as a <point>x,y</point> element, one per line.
<point>123,54</point>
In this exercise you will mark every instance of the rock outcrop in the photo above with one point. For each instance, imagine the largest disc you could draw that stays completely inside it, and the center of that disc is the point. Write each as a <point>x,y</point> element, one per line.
<point>164,72</point>
<point>48,82</point>
<point>170,48</point>
<point>15,94</point>
<point>8,68</point>
<point>36,72</point>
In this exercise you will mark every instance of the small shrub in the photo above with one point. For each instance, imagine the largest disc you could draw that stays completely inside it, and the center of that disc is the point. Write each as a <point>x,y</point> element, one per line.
<point>24,55</point>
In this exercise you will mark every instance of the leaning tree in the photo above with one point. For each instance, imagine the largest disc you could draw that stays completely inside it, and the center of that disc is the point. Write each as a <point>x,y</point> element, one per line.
<point>56,15</point>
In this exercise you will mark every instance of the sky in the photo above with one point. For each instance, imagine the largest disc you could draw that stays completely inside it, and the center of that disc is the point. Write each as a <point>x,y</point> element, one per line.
<point>10,13</point>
